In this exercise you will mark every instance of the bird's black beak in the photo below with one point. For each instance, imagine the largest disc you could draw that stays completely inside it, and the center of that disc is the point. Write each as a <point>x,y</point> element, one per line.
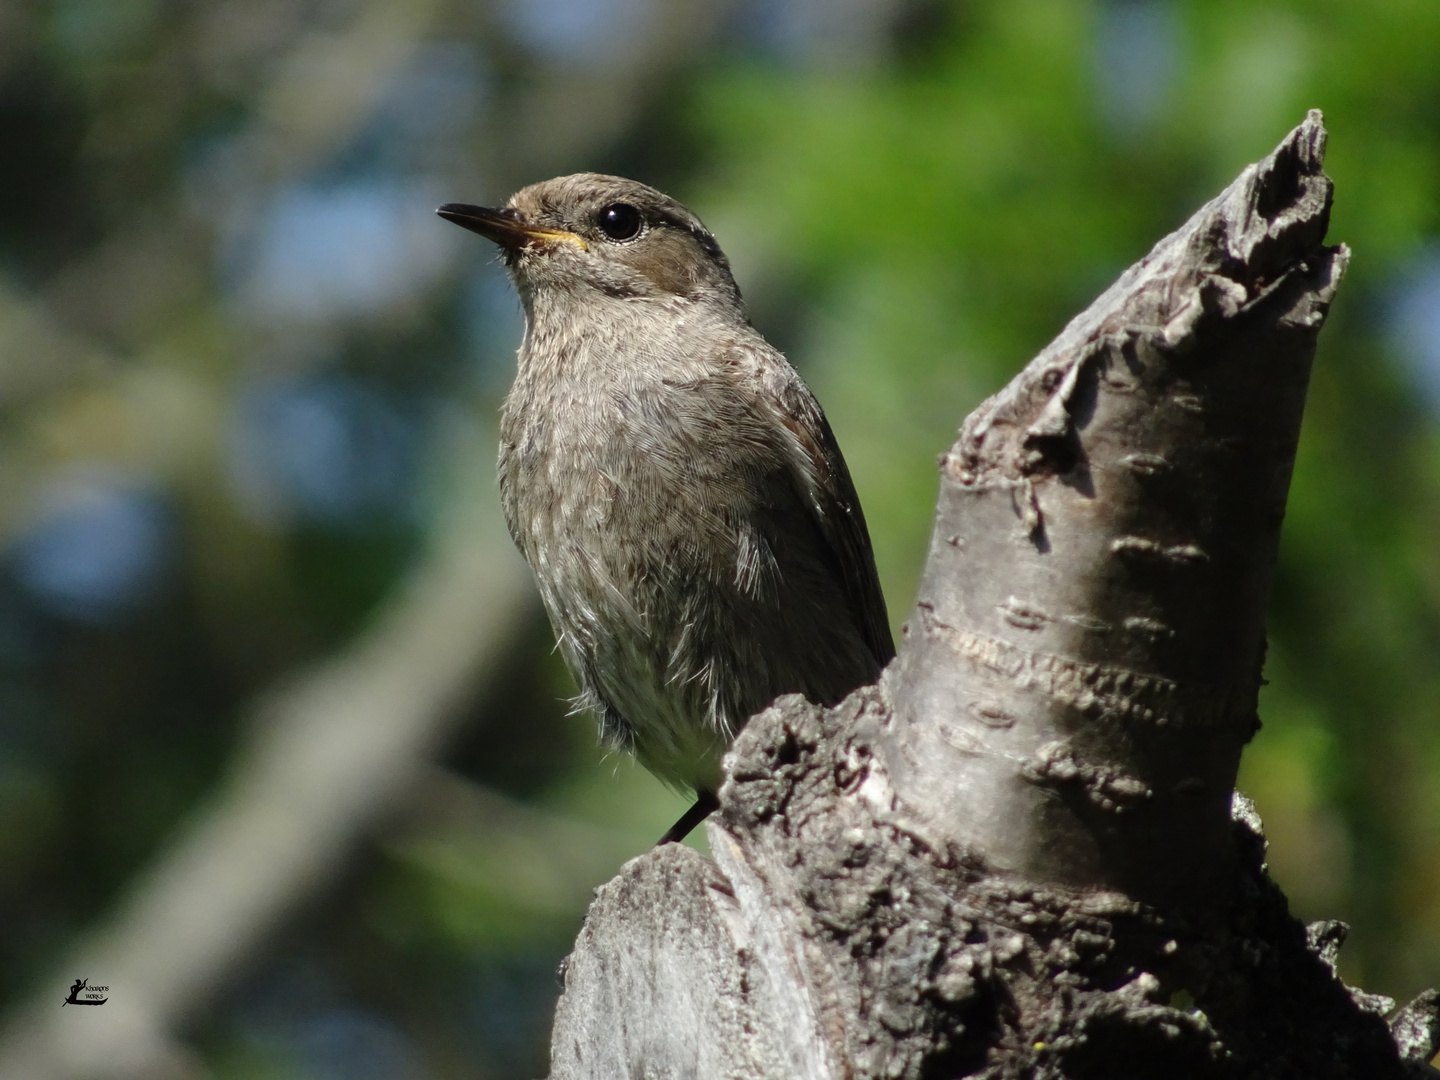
<point>503,226</point>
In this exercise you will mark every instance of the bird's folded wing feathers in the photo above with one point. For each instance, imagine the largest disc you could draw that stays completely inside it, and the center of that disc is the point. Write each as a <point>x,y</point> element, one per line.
<point>825,484</point>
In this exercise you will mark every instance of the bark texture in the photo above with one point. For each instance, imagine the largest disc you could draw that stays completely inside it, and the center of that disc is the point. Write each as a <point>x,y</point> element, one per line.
<point>1021,853</point>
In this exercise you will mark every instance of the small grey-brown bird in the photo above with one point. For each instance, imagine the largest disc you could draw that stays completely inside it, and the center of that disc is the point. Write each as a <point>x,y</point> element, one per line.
<point>673,484</point>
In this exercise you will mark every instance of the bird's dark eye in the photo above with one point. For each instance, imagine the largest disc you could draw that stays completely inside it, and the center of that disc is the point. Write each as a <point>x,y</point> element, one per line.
<point>620,221</point>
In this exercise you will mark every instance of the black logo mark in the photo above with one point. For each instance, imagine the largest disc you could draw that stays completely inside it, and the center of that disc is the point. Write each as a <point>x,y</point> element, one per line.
<point>93,992</point>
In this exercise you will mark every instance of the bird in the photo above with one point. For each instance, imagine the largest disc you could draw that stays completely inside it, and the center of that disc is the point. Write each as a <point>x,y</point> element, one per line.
<point>672,482</point>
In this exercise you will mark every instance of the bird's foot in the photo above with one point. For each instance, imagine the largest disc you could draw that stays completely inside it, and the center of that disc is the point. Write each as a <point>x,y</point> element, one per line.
<point>705,804</point>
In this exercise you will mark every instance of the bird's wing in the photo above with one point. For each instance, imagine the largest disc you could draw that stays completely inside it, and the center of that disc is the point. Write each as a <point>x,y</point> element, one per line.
<point>823,482</point>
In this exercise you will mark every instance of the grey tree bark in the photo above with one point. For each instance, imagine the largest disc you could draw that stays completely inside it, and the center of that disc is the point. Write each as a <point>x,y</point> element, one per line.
<point>1021,854</point>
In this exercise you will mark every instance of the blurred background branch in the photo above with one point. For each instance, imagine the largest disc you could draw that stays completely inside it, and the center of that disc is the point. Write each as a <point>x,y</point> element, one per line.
<point>247,382</point>
<point>318,764</point>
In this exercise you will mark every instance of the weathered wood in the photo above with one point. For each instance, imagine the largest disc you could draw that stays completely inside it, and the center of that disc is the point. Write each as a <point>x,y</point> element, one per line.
<point>1018,854</point>
<point>1082,669</point>
<point>669,979</point>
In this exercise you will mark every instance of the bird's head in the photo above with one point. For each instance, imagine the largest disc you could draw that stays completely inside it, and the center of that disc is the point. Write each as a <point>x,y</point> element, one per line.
<point>596,238</point>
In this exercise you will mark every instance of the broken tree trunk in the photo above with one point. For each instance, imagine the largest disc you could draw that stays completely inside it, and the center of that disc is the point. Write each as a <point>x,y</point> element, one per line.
<point>1021,853</point>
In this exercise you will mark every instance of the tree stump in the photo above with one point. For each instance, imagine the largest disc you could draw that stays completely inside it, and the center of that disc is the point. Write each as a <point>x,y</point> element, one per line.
<point>1021,853</point>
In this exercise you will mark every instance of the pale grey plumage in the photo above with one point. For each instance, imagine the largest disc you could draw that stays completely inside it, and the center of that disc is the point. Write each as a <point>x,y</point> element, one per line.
<point>673,484</point>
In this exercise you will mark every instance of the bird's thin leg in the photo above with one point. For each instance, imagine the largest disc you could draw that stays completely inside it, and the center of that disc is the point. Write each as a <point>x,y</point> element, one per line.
<point>705,804</point>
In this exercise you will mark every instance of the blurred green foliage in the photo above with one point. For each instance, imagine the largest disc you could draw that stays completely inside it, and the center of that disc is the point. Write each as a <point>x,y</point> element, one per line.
<point>941,217</point>
<point>912,217</point>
